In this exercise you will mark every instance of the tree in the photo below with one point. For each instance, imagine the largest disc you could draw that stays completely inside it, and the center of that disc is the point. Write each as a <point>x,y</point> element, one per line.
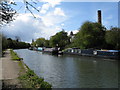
<point>90,35</point>
<point>60,39</point>
<point>17,38</point>
<point>6,12</point>
<point>46,44</point>
<point>40,42</point>
<point>10,43</point>
<point>4,42</point>
<point>112,38</point>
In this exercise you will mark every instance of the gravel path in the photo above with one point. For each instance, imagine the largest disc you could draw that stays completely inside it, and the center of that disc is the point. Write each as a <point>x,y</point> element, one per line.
<point>10,71</point>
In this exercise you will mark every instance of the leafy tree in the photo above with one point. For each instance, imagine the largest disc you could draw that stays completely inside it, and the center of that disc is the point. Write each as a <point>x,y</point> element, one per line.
<point>90,35</point>
<point>60,39</point>
<point>9,43</point>
<point>40,42</point>
<point>4,42</point>
<point>112,38</point>
<point>46,44</point>
<point>6,12</point>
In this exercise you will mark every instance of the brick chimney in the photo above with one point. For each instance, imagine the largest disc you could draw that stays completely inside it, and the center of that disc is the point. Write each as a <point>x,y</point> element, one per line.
<point>99,17</point>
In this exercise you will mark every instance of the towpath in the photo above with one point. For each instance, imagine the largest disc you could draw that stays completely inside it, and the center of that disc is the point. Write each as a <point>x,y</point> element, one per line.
<point>10,71</point>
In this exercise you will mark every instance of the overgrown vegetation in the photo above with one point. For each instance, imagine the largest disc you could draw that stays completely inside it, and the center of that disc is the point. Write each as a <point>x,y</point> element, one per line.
<point>14,55</point>
<point>31,80</point>
<point>28,78</point>
<point>60,39</point>
<point>112,38</point>
<point>13,44</point>
<point>90,35</point>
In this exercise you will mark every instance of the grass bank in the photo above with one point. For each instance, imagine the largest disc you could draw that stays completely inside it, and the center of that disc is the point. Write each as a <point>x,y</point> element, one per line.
<point>14,55</point>
<point>27,77</point>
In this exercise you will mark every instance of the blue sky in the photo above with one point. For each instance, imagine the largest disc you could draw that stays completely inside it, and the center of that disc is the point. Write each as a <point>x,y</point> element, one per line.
<point>87,11</point>
<point>54,16</point>
<point>79,12</point>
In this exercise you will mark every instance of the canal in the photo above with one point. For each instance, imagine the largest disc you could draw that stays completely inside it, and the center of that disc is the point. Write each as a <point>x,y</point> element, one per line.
<point>72,71</point>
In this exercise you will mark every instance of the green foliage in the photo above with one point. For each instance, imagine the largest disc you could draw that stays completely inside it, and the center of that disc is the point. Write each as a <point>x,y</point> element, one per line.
<point>4,42</point>
<point>61,39</point>
<point>7,12</point>
<point>31,80</point>
<point>41,42</point>
<point>14,55</point>
<point>46,44</point>
<point>112,38</point>
<point>9,43</point>
<point>90,35</point>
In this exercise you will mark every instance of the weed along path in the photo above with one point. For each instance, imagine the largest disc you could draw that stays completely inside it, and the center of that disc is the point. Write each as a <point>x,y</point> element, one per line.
<point>10,71</point>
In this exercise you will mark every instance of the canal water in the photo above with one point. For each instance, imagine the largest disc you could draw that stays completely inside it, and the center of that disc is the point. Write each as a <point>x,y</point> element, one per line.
<point>69,71</point>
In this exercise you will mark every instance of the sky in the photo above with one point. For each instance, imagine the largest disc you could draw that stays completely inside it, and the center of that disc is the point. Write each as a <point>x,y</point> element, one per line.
<point>55,15</point>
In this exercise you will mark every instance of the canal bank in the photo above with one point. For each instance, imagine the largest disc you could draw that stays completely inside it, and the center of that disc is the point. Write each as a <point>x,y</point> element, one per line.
<point>16,74</point>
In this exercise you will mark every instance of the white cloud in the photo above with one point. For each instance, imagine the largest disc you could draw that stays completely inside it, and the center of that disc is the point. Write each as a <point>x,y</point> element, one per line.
<point>53,3</point>
<point>51,19</point>
<point>38,8</point>
<point>62,24</point>
<point>45,8</point>
<point>28,28</point>
<point>74,31</point>
<point>59,11</point>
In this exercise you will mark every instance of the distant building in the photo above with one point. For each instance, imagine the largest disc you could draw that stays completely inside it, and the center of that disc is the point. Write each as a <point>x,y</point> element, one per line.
<point>71,36</point>
<point>32,40</point>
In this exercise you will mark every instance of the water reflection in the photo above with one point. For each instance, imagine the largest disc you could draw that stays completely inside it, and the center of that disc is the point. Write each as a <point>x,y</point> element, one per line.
<point>72,71</point>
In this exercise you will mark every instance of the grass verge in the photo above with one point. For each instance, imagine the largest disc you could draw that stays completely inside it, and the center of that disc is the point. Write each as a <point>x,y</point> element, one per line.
<point>27,77</point>
<point>31,80</point>
<point>14,55</point>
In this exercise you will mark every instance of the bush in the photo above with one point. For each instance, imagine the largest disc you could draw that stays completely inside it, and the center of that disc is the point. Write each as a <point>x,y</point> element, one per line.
<point>31,80</point>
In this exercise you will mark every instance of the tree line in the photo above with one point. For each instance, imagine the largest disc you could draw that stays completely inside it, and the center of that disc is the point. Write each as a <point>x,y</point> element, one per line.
<point>91,35</point>
<point>14,44</point>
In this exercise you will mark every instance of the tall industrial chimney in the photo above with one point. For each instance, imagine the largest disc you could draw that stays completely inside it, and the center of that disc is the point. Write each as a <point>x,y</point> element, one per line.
<point>99,17</point>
